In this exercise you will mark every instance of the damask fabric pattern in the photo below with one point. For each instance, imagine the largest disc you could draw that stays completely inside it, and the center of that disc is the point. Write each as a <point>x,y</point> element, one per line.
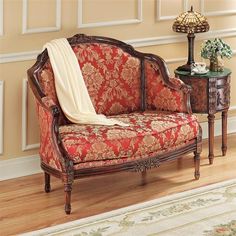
<point>148,133</point>
<point>46,80</point>
<point>112,77</point>
<point>110,162</point>
<point>159,95</point>
<point>47,152</point>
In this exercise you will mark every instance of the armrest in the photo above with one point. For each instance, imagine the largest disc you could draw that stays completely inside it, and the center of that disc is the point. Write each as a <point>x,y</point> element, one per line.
<point>50,105</point>
<point>162,91</point>
<point>51,151</point>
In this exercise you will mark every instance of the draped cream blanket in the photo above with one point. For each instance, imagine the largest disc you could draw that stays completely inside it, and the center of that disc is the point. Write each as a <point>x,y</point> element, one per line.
<point>71,90</point>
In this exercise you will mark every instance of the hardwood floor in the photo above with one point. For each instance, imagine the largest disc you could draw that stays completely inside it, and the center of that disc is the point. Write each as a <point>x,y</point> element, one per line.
<point>24,206</point>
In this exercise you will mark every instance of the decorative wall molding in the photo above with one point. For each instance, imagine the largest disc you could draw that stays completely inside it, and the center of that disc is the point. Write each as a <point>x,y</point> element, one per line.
<point>215,13</point>
<point>159,17</point>
<point>25,146</point>
<point>142,42</point>
<point>23,166</point>
<point>25,29</point>
<point>1,17</point>
<point>180,59</point>
<point>232,108</point>
<point>1,114</point>
<point>19,56</point>
<point>169,39</point>
<point>231,127</point>
<point>81,24</point>
<point>175,60</point>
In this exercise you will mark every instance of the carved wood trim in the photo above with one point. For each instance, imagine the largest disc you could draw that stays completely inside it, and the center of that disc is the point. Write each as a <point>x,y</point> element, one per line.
<point>212,95</point>
<point>136,166</point>
<point>225,99</point>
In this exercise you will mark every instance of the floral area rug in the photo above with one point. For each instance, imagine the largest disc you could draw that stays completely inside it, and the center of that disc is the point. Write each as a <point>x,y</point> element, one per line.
<point>207,211</point>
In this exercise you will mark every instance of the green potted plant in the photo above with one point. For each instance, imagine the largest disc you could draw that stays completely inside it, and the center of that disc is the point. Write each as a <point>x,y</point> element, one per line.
<point>215,50</point>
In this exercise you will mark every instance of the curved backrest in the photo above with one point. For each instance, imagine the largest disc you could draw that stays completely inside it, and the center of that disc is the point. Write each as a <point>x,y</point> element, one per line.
<point>119,79</point>
<point>111,71</point>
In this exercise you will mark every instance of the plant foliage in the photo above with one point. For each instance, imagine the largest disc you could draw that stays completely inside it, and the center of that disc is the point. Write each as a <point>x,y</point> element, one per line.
<point>213,48</point>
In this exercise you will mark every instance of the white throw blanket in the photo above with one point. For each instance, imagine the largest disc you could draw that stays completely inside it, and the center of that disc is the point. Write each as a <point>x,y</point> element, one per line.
<point>71,90</point>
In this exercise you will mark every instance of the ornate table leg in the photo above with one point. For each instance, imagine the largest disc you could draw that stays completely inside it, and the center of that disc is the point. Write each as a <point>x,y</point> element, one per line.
<point>224,132</point>
<point>211,120</point>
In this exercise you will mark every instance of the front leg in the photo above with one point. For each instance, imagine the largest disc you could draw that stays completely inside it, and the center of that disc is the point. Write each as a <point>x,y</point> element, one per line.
<point>68,179</point>
<point>211,121</point>
<point>68,189</point>
<point>47,186</point>
<point>144,177</point>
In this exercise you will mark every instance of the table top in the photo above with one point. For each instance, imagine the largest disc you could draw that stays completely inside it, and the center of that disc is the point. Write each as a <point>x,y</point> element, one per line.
<point>210,74</point>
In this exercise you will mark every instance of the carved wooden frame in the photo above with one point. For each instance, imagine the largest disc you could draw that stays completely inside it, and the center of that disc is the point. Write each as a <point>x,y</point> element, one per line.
<point>68,173</point>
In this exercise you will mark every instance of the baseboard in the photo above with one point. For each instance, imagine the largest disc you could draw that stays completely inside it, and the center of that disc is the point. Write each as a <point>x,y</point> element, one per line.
<point>19,167</point>
<point>23,166</point>
<point>231,127</point>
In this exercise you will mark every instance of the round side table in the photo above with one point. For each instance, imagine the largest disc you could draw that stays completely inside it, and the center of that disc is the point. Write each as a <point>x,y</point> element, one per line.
<point>210,94</point>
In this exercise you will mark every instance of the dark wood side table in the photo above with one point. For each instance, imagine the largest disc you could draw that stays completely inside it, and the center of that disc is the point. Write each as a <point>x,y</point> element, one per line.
<point>210,94</point>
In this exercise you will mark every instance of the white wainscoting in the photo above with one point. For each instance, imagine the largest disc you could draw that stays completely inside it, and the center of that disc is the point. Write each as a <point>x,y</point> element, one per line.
<point>215,13</point>
<point>81,24</point>
<point>159,16</point>
<point>1,114</point>
<point>26,30</point>
<point>18,167</point>
<point>19,56</point>
<point>25,146</point>
<point>231,127</point>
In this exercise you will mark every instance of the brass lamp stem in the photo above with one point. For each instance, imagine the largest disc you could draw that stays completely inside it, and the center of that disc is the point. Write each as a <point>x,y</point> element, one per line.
<point>191,37</point>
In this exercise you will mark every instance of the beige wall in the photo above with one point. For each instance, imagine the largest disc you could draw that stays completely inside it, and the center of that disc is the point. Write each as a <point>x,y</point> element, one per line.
<point>27,24</point>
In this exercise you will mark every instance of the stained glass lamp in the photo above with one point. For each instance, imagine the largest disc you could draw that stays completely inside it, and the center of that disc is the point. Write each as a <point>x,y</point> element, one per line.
<point>190,22</point>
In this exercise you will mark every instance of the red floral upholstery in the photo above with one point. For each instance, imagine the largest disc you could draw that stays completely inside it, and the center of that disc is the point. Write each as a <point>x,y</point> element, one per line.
<point>147,134</point>
<point>47,152</point>
<point>110,162</point>
<point>46,80</point>
<point>114,74</point>
<point>112,77</point>
<point>159,95</point>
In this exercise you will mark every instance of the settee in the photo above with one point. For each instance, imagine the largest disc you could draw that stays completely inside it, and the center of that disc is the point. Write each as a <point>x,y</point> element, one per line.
<point>125,84</point>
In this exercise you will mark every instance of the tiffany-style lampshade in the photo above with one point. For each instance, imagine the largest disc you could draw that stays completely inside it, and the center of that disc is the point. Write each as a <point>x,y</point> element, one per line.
<point>190,22</point>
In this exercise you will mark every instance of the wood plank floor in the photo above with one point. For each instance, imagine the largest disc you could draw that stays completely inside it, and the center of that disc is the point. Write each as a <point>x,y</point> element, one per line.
<point>25,207</point>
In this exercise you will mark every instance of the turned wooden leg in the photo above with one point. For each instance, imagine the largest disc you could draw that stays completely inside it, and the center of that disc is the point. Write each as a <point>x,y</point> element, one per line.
<point>68,189</point>
<point>144,177</point>
<point>224,132</point>
<point>197,165</point>
<point>211,120</point>
<point>47,186</point>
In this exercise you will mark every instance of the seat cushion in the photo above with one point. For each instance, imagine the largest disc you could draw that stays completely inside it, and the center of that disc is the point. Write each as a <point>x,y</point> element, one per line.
<point>148,134</point>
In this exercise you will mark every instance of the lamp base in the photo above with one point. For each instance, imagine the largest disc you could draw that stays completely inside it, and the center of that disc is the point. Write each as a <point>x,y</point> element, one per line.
<point>184,68</point>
